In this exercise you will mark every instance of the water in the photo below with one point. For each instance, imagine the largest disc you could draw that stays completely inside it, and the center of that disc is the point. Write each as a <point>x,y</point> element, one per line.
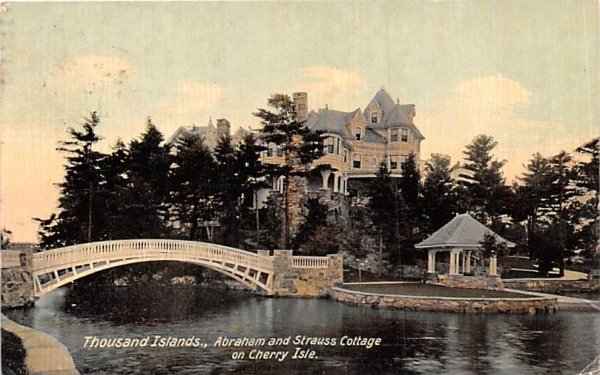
<point>411,342</point>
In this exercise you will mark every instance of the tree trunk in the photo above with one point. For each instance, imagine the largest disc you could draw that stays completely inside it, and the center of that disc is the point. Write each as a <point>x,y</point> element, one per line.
<point>379,269</point>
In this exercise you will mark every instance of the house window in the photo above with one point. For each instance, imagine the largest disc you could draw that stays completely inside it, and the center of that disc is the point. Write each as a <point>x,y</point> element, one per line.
<point>394,135</point>
<point>358,133</point>
<point>393,162</point>
<point>279,151</point>
<point>345,156</point>
<point>269,151</point>
<point>373,117</point>
<point>404,135</point>
<point>403,159</point>
<point>337,150</point>
<point>330,149</point>
<point>356,161</point>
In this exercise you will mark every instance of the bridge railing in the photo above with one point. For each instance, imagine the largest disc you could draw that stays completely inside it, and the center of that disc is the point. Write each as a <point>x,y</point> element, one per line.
<point>11,258</point>
<point>310,262</point>
<point>105,251</point>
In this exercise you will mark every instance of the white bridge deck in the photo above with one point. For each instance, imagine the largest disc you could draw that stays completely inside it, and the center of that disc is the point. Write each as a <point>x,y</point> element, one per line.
<point>54,268</point>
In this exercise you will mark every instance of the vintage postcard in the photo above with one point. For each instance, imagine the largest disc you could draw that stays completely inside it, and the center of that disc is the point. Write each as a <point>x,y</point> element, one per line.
<point>282,187</point>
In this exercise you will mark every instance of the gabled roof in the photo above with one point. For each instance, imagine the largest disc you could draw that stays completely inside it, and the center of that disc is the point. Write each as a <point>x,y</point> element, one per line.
<point>394,114</point>
<point>461,232</point>
<point>383,100</point>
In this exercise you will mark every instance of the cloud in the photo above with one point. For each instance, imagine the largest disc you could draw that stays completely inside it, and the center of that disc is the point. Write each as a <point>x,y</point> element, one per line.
<point>92,73</point>
<point>328,85</point>
<point>493,105</point>
<point>191,102</point>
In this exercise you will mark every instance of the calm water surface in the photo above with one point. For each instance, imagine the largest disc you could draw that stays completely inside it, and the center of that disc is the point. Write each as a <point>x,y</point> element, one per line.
<point>411,342</point>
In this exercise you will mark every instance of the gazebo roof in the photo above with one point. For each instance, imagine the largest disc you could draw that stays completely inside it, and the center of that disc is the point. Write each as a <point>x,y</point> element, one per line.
<point>461,232</point>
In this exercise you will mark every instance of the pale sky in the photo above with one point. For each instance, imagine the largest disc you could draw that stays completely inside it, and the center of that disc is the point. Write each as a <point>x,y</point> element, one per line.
<point>525,72</point>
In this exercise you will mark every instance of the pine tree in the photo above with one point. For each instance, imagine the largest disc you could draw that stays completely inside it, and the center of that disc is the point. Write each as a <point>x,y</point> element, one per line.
<point>387,211</point>
<point>193,186</point>
<point>315,218</point>
<point>410,186</point>
<point>300,146</point>
<point>252,173</point>
<point>81,204</point>
<point>438,199</point>
<point>114,168</point>
<point>487,186</point>
<point>228,191</point>
<point>147,201</point>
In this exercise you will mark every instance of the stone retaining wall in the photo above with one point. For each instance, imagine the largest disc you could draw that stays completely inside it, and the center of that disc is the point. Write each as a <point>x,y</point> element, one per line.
<point>17,283</point>
<point>553,286</point>
<point>471,282</point>
<point>289,281</point>
<point>447,304</point>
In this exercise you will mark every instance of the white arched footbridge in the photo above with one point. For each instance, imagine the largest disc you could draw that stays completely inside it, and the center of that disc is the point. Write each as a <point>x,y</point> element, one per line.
<point>277,274</point>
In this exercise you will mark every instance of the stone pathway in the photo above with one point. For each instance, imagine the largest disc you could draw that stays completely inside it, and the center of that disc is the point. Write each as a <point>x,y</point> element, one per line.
<point>566,303</point>
<point>44,354</point>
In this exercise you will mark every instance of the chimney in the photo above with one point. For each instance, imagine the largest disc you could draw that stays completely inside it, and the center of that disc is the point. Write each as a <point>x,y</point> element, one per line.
<point>223,128</point>
<point>301,102</point>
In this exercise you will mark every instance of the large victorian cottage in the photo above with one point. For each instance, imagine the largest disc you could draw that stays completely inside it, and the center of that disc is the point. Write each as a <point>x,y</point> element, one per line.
<point>356,142</point>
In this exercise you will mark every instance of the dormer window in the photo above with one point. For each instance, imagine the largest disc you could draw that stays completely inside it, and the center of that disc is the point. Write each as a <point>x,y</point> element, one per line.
<point>373,117</point>
<point>358,133</point>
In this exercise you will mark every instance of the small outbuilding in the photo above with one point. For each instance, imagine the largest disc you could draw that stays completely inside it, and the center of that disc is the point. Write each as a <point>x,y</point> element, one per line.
<point>461,237</point>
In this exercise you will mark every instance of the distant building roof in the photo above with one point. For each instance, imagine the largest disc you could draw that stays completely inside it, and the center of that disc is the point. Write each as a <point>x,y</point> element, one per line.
<point>462,232</point>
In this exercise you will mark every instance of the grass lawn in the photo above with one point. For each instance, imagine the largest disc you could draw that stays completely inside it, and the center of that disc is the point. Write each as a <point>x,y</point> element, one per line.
<point>419,289</point>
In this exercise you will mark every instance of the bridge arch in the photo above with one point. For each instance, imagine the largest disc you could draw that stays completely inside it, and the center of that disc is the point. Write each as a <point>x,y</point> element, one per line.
<point>54,268</point>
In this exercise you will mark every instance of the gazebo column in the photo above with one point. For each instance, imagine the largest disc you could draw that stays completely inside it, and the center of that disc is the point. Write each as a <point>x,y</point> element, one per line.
<point>493,266</point>
<point>468,262</point>
<point>431,261</point>
<point>454,262</point>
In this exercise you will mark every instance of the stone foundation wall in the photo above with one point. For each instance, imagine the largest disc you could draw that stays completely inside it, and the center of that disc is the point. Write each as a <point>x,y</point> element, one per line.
<point>471,282</point>
<point>461,305</point>
<point>553,286</point>
<point>17,283</point>
<point>292,281</point>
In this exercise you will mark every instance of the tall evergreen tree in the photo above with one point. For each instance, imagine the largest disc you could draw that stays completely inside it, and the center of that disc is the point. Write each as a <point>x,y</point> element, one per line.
<point>81,203</point>
<point>387,211</point>
<point>148,184</point>
<point>193,186</point>
<point>315,218</point>
<point>438,200</point>
<point>410,186</point>
<point>115,168</point>
<point>300,146</point>
<point>533,195</point>
<point>487,186</point>
<point>228,191</point>
<point>252,173</point>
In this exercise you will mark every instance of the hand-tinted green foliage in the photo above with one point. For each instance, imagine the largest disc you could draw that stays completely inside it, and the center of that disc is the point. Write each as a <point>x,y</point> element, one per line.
<point>82,197</point>
<point>439,198</point>
<point>193,181</point>
<point>300,146</point>
<point>487,186</point>
<point>388,211</point>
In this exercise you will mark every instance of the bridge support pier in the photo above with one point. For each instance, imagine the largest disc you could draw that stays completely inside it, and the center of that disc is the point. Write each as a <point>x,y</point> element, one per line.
<point>308,277</point>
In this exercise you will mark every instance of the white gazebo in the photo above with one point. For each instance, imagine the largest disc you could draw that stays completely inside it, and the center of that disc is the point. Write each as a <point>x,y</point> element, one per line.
<point>460,237</point>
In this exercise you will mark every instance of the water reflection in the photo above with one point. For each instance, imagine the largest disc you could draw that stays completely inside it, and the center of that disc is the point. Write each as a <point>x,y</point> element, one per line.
<point>412,342</point>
